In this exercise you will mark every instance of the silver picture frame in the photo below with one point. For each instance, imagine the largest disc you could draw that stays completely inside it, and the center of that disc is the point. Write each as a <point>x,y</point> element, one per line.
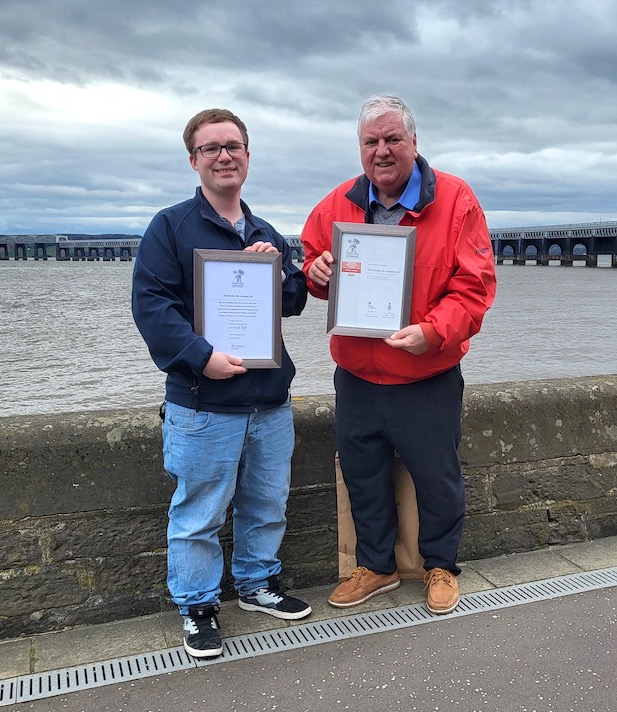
<point>372,277</point>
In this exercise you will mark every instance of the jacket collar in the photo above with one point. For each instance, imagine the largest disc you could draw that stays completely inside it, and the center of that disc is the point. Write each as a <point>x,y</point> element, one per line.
<point>209,213</point>
<point>358,194</point>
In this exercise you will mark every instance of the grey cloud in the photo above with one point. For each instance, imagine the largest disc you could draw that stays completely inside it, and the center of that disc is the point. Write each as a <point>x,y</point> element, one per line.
<point>113,39</point>
<point>495,86</point>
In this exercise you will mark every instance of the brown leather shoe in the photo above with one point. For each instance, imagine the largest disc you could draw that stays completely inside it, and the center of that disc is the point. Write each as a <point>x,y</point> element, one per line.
<point>362,585</point>
<point>442,594</point>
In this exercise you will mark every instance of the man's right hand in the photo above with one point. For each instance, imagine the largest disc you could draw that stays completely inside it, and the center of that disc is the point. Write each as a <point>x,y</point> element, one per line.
<point>319,272</point>
<point>221,366</point>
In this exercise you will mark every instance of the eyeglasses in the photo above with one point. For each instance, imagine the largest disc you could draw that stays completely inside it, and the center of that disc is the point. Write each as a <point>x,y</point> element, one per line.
<point>213,150</point>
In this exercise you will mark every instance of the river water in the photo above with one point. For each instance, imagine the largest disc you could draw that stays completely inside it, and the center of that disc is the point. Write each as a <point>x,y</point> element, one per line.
<point>68,341</point>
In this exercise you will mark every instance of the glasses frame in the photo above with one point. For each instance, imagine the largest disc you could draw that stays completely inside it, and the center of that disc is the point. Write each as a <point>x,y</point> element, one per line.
<point>220,146</point>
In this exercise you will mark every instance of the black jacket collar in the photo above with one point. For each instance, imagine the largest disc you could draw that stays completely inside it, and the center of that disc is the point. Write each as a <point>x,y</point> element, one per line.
<point>358,193</point>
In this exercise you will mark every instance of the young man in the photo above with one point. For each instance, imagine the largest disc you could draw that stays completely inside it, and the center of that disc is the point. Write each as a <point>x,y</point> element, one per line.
<point>228,433</point>
<point>404,393</point>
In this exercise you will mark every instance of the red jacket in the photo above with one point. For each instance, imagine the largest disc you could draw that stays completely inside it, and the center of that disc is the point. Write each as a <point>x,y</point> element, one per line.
<point>453,279</point>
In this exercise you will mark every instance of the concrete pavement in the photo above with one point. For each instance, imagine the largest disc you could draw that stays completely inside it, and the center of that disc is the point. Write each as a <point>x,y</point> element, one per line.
<point>54,651</point>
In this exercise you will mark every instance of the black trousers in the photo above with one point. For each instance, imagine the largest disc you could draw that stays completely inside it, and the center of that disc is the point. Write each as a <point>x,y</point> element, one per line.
<point>422,423</point>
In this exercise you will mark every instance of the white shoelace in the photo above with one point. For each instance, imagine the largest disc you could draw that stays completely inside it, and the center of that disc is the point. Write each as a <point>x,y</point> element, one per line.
<point>274,597</point>
<point>191,627</point>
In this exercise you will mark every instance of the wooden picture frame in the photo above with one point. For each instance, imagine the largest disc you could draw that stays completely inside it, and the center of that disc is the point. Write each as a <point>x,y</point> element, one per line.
<point>237,304</point>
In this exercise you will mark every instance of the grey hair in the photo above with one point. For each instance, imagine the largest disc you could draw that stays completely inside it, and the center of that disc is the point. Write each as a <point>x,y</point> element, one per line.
<point>377,106</point>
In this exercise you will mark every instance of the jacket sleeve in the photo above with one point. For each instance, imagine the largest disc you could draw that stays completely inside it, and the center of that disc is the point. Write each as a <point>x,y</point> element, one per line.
<point>162,303</point>
<point>294,285</point>
<point>471,289</point>
<point>316,237</point>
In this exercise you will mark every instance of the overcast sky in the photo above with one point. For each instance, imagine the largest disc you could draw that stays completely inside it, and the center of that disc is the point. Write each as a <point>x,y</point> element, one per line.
<point>519,98</point>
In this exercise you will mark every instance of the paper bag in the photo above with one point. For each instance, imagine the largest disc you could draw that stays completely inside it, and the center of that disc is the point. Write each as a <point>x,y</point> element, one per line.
<point>408,560</point>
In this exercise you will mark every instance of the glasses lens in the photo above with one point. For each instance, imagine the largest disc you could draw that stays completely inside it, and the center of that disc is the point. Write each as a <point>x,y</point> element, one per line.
<point>235,149</point>
<point>211,151</point>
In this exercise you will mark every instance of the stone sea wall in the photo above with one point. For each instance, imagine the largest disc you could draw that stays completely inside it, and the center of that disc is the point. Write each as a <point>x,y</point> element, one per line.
<point>83,497</point>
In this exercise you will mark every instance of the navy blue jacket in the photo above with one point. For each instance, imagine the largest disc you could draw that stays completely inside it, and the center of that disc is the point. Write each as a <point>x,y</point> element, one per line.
<point>163,307</point>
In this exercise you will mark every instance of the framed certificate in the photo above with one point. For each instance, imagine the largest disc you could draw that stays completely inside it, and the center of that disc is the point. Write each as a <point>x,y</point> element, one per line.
<point>238,304</point>
<point>372,275</point>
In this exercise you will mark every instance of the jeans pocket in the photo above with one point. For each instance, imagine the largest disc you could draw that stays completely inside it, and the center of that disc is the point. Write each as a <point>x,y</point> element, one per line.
<point>183,432</point>
<point>186,420</point>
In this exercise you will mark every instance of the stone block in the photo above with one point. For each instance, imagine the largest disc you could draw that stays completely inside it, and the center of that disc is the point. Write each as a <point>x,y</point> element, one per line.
<point>566,524</point>
<point>313,545</point>
<point>46,587</point>
<point>19,546</point>
<point>564,479</point>
<point>310,505</point>
<point>313,459</point>
<point>601,523</point>
<point>536,420</point>
<point>80,462</point>
<point>478,497</point>
<point>138,575</point>
<point>492,534</point>
<point>108,533</point>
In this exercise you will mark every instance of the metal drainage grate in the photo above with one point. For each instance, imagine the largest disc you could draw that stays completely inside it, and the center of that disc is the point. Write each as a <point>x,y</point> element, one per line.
<point>57,682</point>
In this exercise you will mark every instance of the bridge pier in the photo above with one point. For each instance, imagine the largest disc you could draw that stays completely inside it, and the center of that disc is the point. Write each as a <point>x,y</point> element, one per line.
<point>94,255</point>
<point>79,254</point>
<point>604,260</point>
<point>21,251</point>
<point>109,255</point>
<point>4,250</point>
<point>40,251</point>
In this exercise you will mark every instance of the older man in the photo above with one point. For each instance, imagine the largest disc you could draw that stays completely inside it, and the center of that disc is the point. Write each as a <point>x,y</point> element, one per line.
<point>404,394</point>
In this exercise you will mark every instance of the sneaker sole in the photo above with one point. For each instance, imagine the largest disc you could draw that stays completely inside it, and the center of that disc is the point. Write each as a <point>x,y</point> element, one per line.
<point>273,612</point>
<point>210,653</point>
<point>443,611</point>
<point>351,604</point>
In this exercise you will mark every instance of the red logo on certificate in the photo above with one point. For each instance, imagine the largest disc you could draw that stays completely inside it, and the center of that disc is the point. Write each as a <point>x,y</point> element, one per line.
<point>354,267</point>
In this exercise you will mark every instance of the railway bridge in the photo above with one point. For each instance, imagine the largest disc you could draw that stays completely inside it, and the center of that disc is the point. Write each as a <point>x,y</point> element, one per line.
<point>64,249</point>
<point>590,244</point>
<point>579,244</point>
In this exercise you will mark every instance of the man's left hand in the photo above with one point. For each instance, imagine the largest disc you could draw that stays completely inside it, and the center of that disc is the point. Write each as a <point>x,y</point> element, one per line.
<point>410,339</point>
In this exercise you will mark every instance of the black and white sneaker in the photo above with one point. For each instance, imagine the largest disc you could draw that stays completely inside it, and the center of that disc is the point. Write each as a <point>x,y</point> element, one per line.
<point>275,602</point>
<point>202,637</point>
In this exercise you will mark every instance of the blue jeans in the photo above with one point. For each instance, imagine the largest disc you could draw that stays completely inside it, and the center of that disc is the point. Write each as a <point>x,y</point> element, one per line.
<point>218,459</point>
